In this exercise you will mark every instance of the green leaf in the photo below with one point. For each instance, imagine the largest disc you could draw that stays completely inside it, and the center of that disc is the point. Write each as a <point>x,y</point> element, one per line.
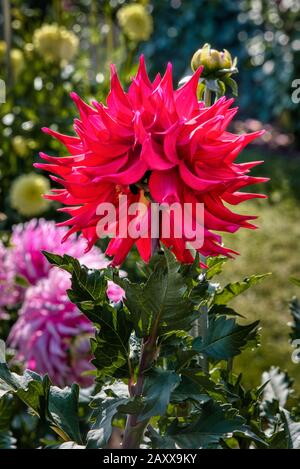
<point>232,84</point>
<point>278,386</point>
<point>292,430</point>
<point>63,406</point>
<point>161,303</point>
<point>201,381</point>
<point>159,441</point>
<point>30,388</point>
<point>223,310</point>
<point>234,289</point>
<point>246,433</point>
<point>188,390</point>
<point>57,406</point>
<point>104,412</point>
<point>7,441</point>
<point>295,312</point>
<point>216,422</point>
<point>21,281</point>
<point>278,440</point>
<point>222,89</point>
<point>111,344</point>
<point>214,266</point>
<point>6,410</point>
<point>157,389</point>
<point>88,285</point>
<point>225,338</point>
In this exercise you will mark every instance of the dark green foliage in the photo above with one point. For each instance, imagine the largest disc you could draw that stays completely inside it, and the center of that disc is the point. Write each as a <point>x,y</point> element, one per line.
<point>225,338</point>
<point>146,344</point>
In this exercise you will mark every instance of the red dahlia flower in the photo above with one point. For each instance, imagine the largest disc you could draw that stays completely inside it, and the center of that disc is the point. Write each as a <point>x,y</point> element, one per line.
<point>153,143</point>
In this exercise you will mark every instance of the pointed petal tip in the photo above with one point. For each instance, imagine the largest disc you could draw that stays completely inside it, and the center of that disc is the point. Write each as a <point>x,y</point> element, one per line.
<point>199,71</point>
<point>74,96</point>
<point>56,179</point>
<point>113,70</point>
<point>48,196</point>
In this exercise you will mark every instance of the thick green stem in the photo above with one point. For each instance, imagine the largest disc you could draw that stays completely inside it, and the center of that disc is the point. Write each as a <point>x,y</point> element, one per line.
<point>134,430</point>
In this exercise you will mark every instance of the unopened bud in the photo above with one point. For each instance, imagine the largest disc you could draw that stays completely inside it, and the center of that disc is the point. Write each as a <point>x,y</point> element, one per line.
<point>212,60</point>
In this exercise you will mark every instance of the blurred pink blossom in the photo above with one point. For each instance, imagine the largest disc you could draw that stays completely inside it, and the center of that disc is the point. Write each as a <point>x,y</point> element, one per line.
<point>9,293</point>
<point>30,239</point>
<point>52,335</point>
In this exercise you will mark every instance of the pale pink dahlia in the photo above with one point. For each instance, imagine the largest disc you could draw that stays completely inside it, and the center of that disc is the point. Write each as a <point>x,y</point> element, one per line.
<point>114,292</point>
<point>52,335</point>
<point>157,142</point>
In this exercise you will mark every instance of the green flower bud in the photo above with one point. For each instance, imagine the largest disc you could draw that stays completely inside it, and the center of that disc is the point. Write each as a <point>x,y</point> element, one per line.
<point>213,61</point>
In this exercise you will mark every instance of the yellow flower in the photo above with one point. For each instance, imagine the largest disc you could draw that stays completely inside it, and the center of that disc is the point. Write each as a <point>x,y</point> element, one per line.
<point>17,61</point>
<point>2,49</point>
<point>16,58</point>
<point>55,43</point>
<point>26,194</point>
<point>20,145</point>
<point>136,22</point>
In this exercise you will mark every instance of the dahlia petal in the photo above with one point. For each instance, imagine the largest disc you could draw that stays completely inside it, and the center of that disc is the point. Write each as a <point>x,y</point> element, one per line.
<point>144,247</point>
<point>236,198</point>
<point>117,100</point>
<point>153,156</point>
<point>186,96</point>
<point>201,185</point>
<point>54,168</point>
<point>216,207</point>
<point>73,144</point>
<point>178,247</point>
<point>129,176</point>
<point>119,248</point>
<point>106,168</point>
<point>140,131</point>
<point>164,186</point>
<point>84,109</point>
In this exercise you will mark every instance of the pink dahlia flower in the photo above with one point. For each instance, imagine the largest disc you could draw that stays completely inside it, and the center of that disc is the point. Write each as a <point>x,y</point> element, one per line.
<point>30,239</point>
<point>9,292</point>
<point>52,335</point>
<point>159,142</point>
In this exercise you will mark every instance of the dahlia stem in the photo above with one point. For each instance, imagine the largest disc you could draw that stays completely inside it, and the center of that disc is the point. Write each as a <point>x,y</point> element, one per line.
<point>203,328</point>
<point>207,97</point>
<point>200,328</point>
<point>134,430</point>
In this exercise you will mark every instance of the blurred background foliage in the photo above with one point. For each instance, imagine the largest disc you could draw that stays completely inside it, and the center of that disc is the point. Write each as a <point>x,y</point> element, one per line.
<point>263,34</point>
<point>55,47</point>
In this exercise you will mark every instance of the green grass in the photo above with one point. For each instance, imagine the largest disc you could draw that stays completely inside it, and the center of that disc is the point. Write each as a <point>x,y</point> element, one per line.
<point>274,247</point>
